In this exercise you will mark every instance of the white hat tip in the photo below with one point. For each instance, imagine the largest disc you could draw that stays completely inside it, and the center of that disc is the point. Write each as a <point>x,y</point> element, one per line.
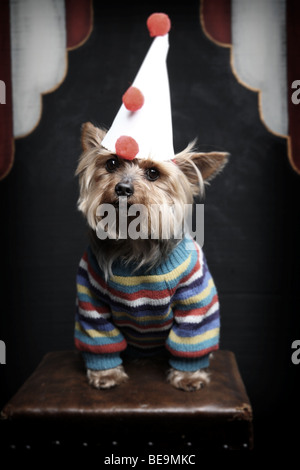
<point>145,115</point>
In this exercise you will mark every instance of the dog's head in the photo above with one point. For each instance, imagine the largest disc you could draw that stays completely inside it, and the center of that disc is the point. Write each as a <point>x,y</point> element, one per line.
<point>107,179</point>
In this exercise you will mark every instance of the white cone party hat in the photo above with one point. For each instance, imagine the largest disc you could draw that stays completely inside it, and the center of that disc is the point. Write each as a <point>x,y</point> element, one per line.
<point>142,127</point>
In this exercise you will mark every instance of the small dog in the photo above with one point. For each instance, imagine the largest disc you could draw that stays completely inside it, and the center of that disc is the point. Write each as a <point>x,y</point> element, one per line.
<point>146,293</point>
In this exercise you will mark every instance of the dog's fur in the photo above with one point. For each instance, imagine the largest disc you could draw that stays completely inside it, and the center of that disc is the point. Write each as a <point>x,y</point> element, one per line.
<point>178,182</point>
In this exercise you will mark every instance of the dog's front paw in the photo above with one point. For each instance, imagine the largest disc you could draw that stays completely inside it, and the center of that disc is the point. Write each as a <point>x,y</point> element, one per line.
<point>188,381</point>
<point>107,378</point>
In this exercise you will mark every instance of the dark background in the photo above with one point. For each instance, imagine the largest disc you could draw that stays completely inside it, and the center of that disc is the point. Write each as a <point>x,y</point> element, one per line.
<point>252,227</point>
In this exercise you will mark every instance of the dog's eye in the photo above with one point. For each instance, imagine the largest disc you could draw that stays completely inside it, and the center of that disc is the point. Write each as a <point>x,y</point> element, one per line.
<point>152,174</point>
<point>112,164</point>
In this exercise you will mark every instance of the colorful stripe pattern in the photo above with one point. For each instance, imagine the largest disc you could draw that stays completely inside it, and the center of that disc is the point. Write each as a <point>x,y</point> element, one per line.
<point>175,305</point>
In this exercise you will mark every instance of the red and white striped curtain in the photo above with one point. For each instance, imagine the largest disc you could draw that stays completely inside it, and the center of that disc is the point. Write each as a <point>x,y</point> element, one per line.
<point>264,38</point>
<point>35,36</point>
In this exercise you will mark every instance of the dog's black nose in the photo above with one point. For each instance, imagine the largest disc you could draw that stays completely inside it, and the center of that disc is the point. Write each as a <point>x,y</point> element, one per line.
<point>124,189</point>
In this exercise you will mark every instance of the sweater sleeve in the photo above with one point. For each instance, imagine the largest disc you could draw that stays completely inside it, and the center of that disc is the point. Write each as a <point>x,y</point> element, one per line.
<point>95,335</point>
<point>195,332</point>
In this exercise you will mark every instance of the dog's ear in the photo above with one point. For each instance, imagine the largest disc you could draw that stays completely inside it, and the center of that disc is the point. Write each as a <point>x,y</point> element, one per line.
<point>209,164</point>
<point>91,136</point>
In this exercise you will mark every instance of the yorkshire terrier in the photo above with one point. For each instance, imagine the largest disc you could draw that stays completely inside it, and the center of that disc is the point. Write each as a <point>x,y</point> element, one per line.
<point>144,293</point>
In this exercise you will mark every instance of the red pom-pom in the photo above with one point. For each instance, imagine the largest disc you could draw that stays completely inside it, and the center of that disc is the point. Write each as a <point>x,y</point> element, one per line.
<point>158,24</point>
<point>127,147</point>
<point>133,99</point>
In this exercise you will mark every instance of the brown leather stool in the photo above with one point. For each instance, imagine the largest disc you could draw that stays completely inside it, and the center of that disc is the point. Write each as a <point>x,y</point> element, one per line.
<point>57,408</point>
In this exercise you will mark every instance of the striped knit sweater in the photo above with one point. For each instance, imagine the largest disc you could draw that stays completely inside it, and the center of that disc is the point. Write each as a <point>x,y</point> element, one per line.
<point>175,305</point>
